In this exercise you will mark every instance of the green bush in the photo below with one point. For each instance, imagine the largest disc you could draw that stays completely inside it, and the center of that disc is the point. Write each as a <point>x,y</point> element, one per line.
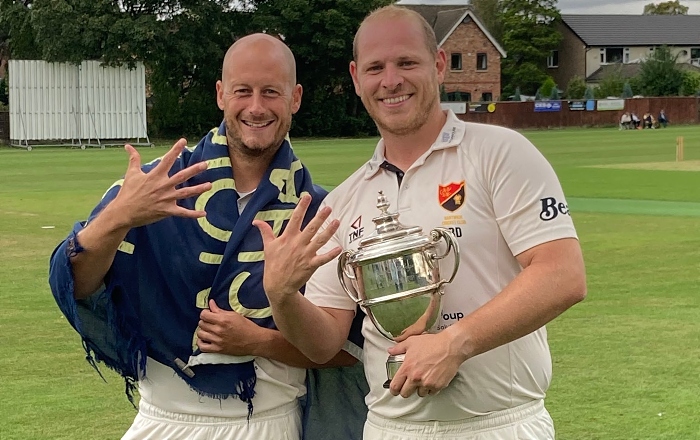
<point>576,88</point>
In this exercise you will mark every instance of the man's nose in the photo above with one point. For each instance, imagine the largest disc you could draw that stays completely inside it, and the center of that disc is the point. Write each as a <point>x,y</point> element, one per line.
<point>393,77</point>
<point>257,105</point>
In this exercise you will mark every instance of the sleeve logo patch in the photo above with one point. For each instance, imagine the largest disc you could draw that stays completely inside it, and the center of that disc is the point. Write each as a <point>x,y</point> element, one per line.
<point>551,209</point>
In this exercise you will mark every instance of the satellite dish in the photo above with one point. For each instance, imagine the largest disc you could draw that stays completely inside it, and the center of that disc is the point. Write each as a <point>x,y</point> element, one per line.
<point>683,53</point>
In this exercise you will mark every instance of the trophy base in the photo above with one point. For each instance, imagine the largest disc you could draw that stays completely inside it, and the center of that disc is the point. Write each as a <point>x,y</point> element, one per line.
<point>393,363</point>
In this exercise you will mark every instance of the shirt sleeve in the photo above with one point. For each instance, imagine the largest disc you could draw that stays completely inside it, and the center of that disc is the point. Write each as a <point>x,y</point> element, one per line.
<point>528,200</point>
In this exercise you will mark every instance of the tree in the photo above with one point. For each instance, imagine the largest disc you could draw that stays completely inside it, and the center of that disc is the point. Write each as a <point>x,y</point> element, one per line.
<point>660,75</point>
<point>691,84</point>
<point>443,94</point>
<point>488,12</point>
<point>547,87</point>
<point>516,95</point>
<point>529,36</point>
<point>16,31</point>
<point>672,7</point>
<point>4,98</point>
<point>627,90</point>
<point>576,88</point>
<point>555,94</point>
<point>320,33</point>
<point>611,85</point>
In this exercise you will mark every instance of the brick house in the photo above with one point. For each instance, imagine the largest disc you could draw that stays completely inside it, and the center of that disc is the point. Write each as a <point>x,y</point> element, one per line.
<point>594,45</point>
<point>473,55</point>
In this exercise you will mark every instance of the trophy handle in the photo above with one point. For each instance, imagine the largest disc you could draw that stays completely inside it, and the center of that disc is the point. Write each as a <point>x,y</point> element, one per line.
<point>452,246</point>
<point>342,273</point>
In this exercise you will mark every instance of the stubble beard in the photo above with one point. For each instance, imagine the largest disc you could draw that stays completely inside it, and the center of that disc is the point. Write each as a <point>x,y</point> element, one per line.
<point>410,126</point>
<point>235,141</point>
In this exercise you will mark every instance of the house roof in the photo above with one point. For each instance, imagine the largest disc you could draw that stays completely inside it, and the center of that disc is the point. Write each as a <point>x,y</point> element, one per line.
<point>635,30</point>
<point>627,71</point>
<point>446,21</point>
<point>445,18</point>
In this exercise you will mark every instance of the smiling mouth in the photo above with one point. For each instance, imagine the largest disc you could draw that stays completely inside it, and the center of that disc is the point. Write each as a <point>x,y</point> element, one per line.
<point>395,99</point>
<point>257,124</point>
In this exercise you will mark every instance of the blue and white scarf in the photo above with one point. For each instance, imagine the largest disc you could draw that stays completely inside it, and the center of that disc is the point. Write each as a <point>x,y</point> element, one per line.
<point>164,273</point>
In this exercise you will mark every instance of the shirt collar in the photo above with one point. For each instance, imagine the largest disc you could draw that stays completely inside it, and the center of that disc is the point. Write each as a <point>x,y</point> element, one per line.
<point>450,136</point>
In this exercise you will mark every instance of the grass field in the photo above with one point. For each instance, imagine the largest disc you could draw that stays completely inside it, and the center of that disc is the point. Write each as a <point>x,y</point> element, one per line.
<point>626,360</point>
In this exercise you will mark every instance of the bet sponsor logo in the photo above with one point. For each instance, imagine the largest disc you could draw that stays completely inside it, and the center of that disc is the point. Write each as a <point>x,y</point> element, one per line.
<point>552,208</point>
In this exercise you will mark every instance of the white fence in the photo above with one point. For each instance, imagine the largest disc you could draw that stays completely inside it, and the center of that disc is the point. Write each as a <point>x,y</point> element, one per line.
<point>86,104</point>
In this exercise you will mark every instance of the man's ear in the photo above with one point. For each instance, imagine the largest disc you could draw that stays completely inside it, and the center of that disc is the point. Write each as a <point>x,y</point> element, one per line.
<point>353,74</point>
<point>296,98</point>
<point>220,94</point>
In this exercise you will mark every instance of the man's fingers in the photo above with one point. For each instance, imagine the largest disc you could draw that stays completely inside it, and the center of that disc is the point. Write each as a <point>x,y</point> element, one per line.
<point>213,307</point>
<point>170,157</point>
<point>188,173</point>
<point>397,349</point>
<point>322,237</point>
<point>298,214</point>
<point>191,191</point>
<point>397,382</point>
<point>316,223</point>
<point>134,159</point>
<point>179,211</point>
<point>207,336</point>
<point>329,256</point>
<point>423,391</point>
<point>265,231</point>
<point>408,388</point>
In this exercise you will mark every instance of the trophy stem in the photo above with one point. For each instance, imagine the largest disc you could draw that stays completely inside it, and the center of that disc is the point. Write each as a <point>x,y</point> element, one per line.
<point>393,363</point>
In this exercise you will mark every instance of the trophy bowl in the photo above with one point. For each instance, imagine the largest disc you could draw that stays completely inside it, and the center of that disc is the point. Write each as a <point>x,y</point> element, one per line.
<point>395,277</point>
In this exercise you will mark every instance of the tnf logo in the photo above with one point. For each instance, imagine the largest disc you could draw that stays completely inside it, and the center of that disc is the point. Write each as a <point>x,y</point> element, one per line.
<point>357,229</point>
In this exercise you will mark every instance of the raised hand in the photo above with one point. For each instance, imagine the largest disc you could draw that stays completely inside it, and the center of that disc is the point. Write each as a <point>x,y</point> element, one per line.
<point>227,332</point>
<point>292,258</point>
<point>145,198</point>
<point>431,362</point>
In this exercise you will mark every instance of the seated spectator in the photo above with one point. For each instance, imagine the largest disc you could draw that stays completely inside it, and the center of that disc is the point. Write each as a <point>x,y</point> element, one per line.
<point>635,121</point>
<point>663,120</point>
<point>649,120</point>
<point>625,121</point>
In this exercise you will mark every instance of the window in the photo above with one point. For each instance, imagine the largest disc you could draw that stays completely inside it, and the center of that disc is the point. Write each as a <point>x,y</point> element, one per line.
<point>611,55</point>
<point>487,97</point>
<point>695,52</point>
<point>553,59</point>
<point>481,61</point>
<point>456,61</point>
<point>459,96</point>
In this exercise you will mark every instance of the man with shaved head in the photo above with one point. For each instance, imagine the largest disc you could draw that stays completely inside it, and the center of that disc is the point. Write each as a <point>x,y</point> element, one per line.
<point>164,280</point>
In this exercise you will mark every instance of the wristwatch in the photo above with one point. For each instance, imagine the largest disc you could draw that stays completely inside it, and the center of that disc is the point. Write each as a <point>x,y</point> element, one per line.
<point>73,248</point>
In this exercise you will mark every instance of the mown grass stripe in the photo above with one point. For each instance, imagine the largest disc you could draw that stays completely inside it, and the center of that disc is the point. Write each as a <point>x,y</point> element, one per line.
<point>632,206</point>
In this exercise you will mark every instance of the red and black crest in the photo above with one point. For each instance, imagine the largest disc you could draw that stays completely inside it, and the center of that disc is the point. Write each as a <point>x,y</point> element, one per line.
<point>452,196</point>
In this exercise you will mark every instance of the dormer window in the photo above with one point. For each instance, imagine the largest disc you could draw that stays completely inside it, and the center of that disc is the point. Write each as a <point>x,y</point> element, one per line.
<point>609,55</point>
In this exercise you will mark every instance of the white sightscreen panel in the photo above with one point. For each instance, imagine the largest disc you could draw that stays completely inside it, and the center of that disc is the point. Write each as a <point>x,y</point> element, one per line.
<point>43,100</point>
<point>113,101</point>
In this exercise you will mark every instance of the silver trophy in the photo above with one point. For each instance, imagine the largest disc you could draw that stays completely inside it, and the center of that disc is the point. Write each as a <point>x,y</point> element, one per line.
<point>395,277</point>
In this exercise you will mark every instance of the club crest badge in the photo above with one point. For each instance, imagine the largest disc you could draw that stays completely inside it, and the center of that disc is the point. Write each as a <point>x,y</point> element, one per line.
<point>452,196</point>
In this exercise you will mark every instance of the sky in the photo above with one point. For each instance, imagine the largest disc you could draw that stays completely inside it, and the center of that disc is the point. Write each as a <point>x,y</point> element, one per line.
<point>585,6</point>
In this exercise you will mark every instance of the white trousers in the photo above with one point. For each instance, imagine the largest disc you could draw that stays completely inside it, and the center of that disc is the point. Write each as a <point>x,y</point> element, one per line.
<point>152,423</point>
<point>526,422</point>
